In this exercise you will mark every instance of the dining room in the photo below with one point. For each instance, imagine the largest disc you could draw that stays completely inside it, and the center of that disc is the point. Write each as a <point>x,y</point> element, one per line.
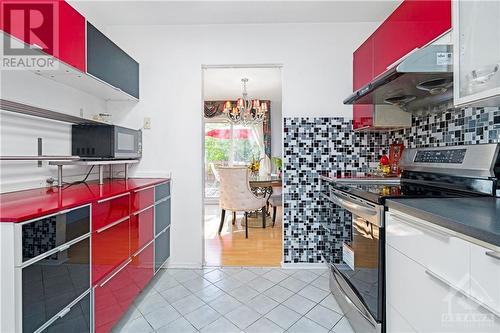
<point>242,146</point>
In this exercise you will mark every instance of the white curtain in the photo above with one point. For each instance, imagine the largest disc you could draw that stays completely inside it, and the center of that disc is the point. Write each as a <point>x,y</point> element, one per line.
<point>265,163</point>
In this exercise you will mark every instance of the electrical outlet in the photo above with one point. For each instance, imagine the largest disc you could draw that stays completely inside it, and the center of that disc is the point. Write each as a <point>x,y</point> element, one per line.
<point>147,123</point>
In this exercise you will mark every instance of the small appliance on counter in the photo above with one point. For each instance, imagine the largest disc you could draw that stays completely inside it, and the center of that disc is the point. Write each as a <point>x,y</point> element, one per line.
<point>94,142</point>
<point>357,273</point>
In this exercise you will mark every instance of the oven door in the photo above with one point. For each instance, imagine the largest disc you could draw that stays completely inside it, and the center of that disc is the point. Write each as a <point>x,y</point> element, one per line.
<point>128,143</point>
<point>358,277</point>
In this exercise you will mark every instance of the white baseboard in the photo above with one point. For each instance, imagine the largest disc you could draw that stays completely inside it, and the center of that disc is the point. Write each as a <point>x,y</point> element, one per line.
<point>304,265</point>
<point>187,265</point>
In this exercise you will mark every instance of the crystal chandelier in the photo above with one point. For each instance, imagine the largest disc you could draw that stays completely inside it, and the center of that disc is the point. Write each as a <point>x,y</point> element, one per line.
<point>245,111</point>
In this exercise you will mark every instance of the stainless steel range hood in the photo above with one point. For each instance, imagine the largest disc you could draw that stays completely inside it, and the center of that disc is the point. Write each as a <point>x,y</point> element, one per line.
<point>422,79</point>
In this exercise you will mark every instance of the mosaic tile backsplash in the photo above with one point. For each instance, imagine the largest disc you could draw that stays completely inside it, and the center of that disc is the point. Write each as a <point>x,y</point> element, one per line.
<point>316,145</point>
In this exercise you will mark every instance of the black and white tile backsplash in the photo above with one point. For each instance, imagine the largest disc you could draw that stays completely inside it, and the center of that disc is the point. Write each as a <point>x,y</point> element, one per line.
<point>317,145</point>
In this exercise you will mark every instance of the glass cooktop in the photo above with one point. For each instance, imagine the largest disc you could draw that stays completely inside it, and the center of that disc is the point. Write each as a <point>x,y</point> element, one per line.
<point>379,192</point>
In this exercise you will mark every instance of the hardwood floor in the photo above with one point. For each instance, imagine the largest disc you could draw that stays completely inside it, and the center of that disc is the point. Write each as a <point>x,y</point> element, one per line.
<point>264,247</point>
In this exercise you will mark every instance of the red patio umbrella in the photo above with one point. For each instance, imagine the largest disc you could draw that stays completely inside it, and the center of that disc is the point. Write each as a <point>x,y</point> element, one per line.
<point>242,133</point>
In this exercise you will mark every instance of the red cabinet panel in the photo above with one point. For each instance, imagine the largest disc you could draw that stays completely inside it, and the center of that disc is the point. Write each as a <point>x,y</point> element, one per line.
<point>413,24</point>
<point>141,267</point>
<point>141,229</point>
<point>362,116</point>
<point>107,211</point>
<point>113,297</point>
<point>71,36</point>
<point>53,25</point>
<point>362,64</point>
<point>141,199</point>
<point>110,248</point>
<point>362,74</point>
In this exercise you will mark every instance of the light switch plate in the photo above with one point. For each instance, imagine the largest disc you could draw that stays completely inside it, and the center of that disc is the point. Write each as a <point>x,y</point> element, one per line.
<point>147,123</point>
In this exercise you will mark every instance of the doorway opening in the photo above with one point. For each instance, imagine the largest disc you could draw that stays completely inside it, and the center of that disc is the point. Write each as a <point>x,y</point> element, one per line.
<point>232,145</point>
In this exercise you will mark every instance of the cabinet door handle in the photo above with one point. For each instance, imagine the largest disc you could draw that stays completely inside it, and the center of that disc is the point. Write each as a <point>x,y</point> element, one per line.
<point>493,254</point>
<point>143,210</point>
<point>438,233</point>
<point>64,312</point>
<point>64,248</point>
<point>112,224</point>
<point>113,197</point>
<point>162,200</point>
<point>143,189</point>
<point>463,292</point>
<point>114,274</point>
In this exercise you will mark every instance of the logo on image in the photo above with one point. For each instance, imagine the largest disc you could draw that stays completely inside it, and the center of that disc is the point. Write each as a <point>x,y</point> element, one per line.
<point>30,39</point>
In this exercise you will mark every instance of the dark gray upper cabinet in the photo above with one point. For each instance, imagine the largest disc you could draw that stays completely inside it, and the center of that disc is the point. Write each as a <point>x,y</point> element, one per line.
<point>109,63</point>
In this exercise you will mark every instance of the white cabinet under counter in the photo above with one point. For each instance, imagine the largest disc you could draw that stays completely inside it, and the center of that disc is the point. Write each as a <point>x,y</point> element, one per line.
<point>438,280</point>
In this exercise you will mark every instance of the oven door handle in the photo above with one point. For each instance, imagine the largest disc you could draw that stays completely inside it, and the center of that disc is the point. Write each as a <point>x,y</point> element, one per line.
<point>352,206</point>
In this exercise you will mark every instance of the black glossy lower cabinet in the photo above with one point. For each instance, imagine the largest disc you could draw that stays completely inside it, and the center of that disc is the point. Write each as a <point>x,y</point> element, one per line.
<point>162,248</point>
<point>51,284</point>
<point>162,215</point>
<point>75,320</point>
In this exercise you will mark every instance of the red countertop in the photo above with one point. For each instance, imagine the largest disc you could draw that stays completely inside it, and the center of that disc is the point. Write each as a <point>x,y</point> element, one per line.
<point>29,204</point>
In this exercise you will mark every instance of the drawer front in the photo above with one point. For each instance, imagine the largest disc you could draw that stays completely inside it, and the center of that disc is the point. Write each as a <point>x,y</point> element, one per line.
<point>51,284</point>
<point>76,320</point>
<point>428,304</point>
<point>430,247</point>
<point>485,276</point>
<point>162,216</point>
<point>141,199</point>
<point>48,233</point>
<point>162,191</point>
<point>162,249</point>
<point>110,248</point>
<point>112,298</point>
<point>141,229</point>
<point>142,267</point>
<point>108,211</point>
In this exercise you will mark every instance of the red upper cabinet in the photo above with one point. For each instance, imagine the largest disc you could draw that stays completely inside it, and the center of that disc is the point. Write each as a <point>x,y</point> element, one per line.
<point>71,36</point>
<point>51,25</point>
<point>413,24</point>
<point>362,61</point>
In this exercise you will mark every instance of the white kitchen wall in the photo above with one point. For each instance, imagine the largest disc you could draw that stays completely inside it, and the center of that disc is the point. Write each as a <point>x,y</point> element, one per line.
<point>19,133</point>
<point>317,66</point>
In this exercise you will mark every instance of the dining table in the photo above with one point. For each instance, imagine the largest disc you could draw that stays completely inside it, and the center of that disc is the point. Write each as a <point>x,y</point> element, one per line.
<point>262,185</point>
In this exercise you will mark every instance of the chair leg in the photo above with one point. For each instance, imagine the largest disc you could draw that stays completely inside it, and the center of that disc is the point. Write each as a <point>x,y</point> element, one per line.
<point>264,213</point>
<point>246,225</point>
<point>274,215</point>
<point>222,217</point>
<point>234,218</point>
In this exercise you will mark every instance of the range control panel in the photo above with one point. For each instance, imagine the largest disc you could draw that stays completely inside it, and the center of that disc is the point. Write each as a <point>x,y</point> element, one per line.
<point>448,156</point>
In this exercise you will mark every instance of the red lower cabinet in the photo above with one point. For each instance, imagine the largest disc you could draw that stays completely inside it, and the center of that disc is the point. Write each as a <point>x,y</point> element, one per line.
<point>110,248</point>
<point>141,229</point>
<point>112,297</point>
<point>141,267</point>
<point>142,198</point>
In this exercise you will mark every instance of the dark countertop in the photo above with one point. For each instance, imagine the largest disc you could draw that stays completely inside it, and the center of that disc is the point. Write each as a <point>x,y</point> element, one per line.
<point>475,217</point>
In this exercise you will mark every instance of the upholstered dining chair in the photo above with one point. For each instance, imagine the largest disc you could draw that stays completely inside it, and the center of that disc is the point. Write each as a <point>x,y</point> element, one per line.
<point>236,195</point>
<point>276,201</point>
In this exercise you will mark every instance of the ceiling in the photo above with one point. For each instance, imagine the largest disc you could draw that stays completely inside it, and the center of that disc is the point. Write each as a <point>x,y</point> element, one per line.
<point>225,83</point>
<point>142,12</point>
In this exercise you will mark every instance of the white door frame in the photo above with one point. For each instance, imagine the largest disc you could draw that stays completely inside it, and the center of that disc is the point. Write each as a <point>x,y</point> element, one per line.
<point>203,68</point>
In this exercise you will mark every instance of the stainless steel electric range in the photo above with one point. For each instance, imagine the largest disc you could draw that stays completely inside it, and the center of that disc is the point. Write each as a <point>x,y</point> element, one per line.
<point>358,266</point>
